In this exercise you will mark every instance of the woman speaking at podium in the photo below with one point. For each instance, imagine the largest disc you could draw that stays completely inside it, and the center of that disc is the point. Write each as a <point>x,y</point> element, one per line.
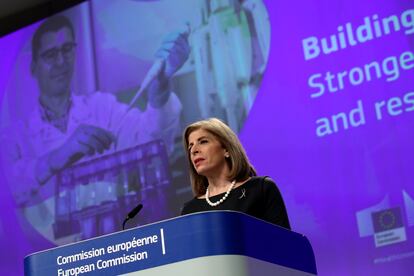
<point>222,177</point>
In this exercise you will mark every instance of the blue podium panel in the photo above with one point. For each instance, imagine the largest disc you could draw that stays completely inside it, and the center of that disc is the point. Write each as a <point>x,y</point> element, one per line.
<point>221,265</point>
<point>213,243</point>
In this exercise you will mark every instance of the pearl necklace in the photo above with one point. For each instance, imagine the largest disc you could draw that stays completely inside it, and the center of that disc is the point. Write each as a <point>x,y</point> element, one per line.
<point>213,204</point>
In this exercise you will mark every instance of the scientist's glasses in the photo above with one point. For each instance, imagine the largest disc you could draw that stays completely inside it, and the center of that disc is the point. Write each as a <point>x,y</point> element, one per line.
<point>50,56</point>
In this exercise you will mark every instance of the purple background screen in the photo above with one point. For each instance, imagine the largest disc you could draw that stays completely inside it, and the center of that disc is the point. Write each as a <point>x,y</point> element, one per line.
<point>320,93</point>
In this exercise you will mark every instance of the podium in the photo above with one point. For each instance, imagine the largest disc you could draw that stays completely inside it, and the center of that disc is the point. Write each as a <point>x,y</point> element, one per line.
<point>209,243</point>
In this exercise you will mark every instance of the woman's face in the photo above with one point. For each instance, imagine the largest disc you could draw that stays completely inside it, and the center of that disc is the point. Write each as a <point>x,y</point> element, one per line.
<point>206,153</point>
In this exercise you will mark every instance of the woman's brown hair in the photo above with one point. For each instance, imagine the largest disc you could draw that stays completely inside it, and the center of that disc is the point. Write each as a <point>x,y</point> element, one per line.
<point>239,164</point>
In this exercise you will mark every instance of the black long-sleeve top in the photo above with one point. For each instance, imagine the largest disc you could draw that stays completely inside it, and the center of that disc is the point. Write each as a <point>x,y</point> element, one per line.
<point>258,197</point>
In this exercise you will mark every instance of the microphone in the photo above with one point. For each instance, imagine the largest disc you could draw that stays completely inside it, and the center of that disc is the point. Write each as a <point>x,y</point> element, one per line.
<point>132,214</point>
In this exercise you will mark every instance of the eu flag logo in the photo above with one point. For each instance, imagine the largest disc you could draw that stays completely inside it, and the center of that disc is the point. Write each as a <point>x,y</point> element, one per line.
<point>387,219</point>
<point>388,227</point>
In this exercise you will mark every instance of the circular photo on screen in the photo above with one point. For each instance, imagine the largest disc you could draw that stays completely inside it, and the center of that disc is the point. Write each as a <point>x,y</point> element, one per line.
<point>97,98</point>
